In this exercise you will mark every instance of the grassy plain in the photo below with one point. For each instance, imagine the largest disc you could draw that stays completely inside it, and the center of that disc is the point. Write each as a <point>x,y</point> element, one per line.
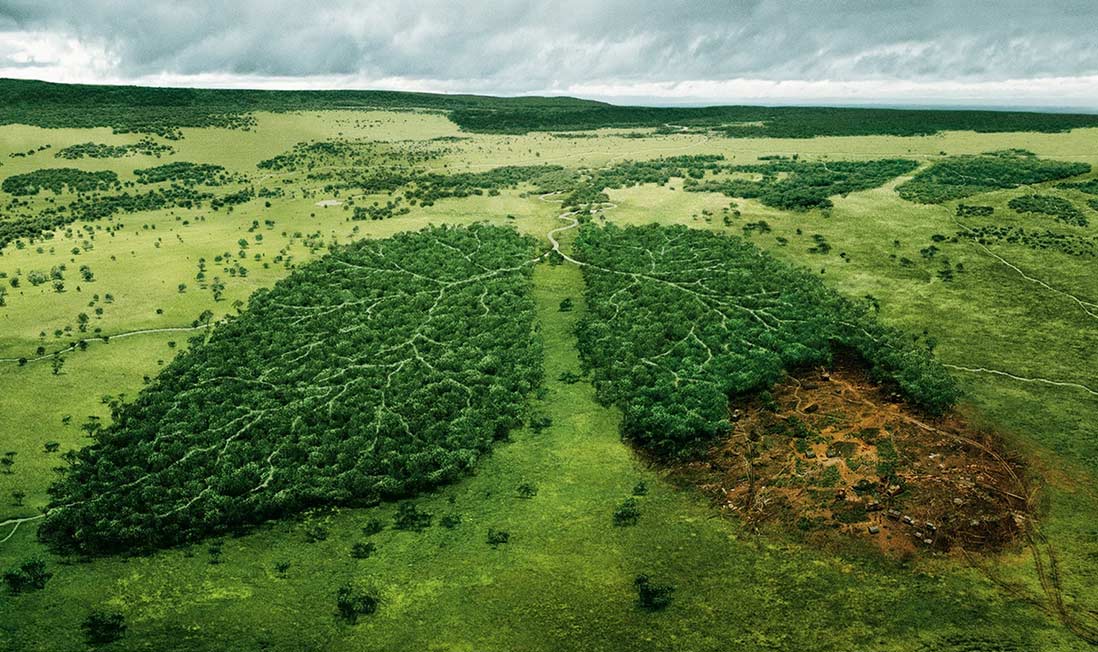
<point>565,579</point>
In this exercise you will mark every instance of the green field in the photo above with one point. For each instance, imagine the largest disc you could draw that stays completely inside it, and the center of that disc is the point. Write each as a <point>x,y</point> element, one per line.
<point>1015,325</point>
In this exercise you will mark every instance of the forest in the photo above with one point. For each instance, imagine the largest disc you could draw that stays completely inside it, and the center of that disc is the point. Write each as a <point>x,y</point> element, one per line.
<point>763,122</point>
<point>1067,243</point>
<point>164,111</point>
<point>58,180</point>
<point>145,147</point>
<point>1050,205</point>
<point>378,371</point>
<point>187,173</point>
<point>805,184</point>
<point>680,321</point>
<point>957,177</point>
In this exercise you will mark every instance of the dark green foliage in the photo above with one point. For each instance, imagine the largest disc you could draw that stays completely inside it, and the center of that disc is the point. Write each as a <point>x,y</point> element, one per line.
<point>640,489</point>
<point>887,460</point>
<point>383,369</point>
<point>314,532</point>
<point>853,513</point>
<point>539,422</point>
<point>373,526</point>
<point>527,489</point>
<point>627,513</point>
<point>652,596</point>
<point>586,187</point>
<point>165,111</point>
<point>58,180</point>
<point>102,627</point>
<point>241,196</point>
<point>958,177</point>
<point>97,207</point>
<point>964,210</point>
<point>497,538</point>
<point>409,518</point>
<point>569,377</point>
<point>1057,207</point>
<point>806,184</point>
<point>28,576</point>
<point>680,320</point>
<point>1090,186</point>
<point>145,146</point>
<point>450,521</point>
<point>762,122</point>
<point>379,211</point>
<point>186,173</point>
<point>1068,243</point>
<point>363,549</point>
<point>352,602</point>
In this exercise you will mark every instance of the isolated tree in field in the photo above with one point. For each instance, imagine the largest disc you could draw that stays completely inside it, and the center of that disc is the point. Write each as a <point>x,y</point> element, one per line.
<point>352,602</point>
<point>17,497</point>
<point>102,627</point>
<point>8,461</point>
<point>28,576</point>
<point>57,364</point>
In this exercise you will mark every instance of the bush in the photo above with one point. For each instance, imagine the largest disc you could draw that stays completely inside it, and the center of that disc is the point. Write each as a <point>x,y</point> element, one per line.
<point>652,596</point>
<point>627,513</point>
<point>363,550</point>
<point>352,602</point>
<point>497,538</point>
<point>102,627</point>
<point>409,518</point>
<point>29,576</point>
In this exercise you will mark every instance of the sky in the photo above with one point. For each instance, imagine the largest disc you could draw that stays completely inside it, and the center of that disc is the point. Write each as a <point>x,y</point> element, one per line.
<point>965,52</point>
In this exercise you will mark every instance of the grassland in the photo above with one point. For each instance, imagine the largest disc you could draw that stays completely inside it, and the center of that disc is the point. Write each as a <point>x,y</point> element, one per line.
<point>565,578</point>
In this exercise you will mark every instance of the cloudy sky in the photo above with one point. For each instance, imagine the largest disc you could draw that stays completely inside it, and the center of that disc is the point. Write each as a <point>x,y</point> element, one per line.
<point>959,52</point>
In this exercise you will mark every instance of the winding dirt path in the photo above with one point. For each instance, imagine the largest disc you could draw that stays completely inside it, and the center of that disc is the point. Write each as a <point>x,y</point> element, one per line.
<point>118,336</point>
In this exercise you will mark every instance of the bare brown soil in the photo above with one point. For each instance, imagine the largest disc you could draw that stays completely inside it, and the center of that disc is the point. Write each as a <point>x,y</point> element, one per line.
<point>832,455</point>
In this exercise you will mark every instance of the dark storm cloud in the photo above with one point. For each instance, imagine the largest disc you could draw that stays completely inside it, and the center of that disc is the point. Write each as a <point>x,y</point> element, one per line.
<point>524,46</point>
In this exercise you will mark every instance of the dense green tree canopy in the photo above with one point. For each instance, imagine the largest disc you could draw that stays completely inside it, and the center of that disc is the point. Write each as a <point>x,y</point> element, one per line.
<point>680,320</point>
<point>957,177</point>
<point>382,369</point>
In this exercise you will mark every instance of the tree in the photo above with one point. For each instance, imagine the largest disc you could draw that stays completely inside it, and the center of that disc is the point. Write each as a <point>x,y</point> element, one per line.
<point>8,461</point>
<point>628,513</point>
<point>352,602</point>
<point>652,596</point>
<point>102,627</point>
<point>57,363</point>
<point>28,576</point>
<point>497,538</point>
<point>362,549</point>
<point>17,497</point>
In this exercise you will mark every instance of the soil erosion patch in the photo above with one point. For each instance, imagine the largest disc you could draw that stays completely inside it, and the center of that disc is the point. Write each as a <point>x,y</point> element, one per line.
<point>830,452</point>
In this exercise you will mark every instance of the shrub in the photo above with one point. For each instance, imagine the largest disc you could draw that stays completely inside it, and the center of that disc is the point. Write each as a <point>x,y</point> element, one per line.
<point>627,513</point>
<point>352,602</point>
<point>652,596</point>
<point>102,627</point>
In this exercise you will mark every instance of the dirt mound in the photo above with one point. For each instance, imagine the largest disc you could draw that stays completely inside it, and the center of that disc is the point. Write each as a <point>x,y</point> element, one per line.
<point>830,452</point>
